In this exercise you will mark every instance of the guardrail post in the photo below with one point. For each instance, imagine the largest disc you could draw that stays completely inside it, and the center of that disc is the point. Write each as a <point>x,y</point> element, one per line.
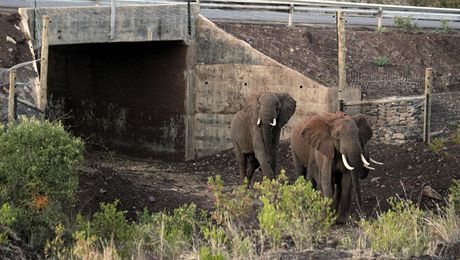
<point>379,19</point>
<point>341,53</point>
<point>42,98</point>
<point>427,110</point>
<point>291,14</point>
<point>11,97</point>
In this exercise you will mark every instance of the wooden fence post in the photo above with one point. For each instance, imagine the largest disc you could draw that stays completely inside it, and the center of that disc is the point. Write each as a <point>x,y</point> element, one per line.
<point>379,19</point>
<point>427,111</point>
<point>341,53</point>
<point>291,14</point>
<point>42,97</point>
<point>11,98</point>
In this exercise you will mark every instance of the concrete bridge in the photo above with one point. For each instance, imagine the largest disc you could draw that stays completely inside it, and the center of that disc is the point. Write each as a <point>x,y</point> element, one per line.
<point>158,80</point>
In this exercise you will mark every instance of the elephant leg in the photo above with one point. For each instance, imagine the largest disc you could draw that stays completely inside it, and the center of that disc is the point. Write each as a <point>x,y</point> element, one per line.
<point>337,178</point>
<point>299,169</point>
<point>337,195</point>
<point>312,173</point>
<point>242,161</point>
<point>345,198</point>
<point>325,174</point>
<point>253,165</point>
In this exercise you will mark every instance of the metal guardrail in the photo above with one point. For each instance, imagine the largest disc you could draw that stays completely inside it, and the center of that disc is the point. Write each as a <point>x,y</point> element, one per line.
<point>331,7</point>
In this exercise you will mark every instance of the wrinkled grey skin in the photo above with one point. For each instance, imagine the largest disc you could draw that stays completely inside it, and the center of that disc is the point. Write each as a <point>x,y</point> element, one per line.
<point>317,143</point>
<point>257,144</point>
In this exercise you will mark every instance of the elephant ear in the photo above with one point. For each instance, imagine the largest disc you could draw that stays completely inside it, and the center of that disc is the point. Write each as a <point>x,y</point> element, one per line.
<point>250,106</point>
<point>365,130</point>
<point>317,133</point>
<point>288,106</point>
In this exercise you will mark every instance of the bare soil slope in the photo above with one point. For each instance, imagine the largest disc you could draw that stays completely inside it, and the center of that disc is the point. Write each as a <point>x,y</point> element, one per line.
<point>313,52</point>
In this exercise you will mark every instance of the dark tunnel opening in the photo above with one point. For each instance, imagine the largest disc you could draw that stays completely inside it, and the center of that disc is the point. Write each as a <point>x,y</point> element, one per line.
<point>129,97</point>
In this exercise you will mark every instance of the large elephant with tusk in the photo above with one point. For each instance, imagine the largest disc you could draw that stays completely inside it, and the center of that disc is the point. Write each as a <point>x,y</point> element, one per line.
<point>332,150</point>
<point>256,129</point>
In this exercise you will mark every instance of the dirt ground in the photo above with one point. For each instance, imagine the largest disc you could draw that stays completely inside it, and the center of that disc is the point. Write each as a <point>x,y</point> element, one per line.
<point>159,185</point>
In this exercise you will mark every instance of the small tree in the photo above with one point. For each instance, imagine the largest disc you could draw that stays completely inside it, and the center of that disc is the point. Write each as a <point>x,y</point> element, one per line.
<point>38,176</point>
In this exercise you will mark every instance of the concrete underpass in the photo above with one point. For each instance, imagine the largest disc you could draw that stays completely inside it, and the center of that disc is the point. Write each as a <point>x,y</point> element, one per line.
<point>128,96</point>
<point>162,81</point>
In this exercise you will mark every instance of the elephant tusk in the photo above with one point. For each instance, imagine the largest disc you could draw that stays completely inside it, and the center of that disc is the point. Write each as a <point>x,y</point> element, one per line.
<point>258,121</point>
<point>364,160</point>
<point>274,122</point>
<point>374,161</point>
<point>344,159</point>
<point>368,167</point>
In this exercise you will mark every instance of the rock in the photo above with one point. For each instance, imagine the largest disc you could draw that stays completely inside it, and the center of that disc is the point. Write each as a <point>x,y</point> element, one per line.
<point>398,136</point>
<point>102,191</point>
<point>291,50</point>
<point>429,192</point>
<point>9,39</point>
<point>375,179</point>
<point>10,50</point>
<point>152,199</point>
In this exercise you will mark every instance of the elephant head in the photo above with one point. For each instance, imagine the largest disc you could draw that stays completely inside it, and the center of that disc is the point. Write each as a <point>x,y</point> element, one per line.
<point>268,112</point>
<point>343,139</point>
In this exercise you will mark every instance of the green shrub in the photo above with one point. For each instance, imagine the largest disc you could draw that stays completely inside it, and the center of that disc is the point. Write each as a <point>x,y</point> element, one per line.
<point>38,176</point>
<point>206,254</point>
<point>381,61</point>
<point>297,211</point>
<point>168,234</point>
<point>445,26</point>
<point>404,23</point>
<point>7,218</point>
<point>454,196</point>
<point>398,232</point>
<point>456,137</point>
<point>436,145</point>
<point>109,224</point>
<point>234,205</point>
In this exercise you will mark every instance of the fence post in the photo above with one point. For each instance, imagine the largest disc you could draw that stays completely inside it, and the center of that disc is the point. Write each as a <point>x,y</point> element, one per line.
<point>341,53</point>
<point>379,19</point>
<point>42,98</point>
<point>291,14</point>
<point>427,111</point>
<point>11,97</point>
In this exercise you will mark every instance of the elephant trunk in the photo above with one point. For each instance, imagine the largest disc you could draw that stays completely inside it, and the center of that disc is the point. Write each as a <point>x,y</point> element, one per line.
<point>357,164</point>
<point>267,135</point>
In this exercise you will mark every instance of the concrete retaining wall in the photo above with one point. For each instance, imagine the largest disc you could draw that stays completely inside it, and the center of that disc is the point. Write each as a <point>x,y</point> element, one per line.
<point>227,71</point>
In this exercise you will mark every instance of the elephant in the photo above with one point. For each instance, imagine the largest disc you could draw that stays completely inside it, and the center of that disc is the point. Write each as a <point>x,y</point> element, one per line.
<point>331,150</point>
<point>255,132</point>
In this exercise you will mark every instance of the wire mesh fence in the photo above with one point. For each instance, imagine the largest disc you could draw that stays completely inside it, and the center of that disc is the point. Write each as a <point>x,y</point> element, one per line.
<point>445,114</point>
<point>445,102</point>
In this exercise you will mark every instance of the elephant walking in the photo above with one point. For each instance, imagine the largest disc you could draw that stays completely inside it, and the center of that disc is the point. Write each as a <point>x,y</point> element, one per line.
<point>256,129</point>
<point>332,150</point>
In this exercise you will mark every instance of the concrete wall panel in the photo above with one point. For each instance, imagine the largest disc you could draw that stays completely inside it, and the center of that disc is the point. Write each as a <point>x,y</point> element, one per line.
<point>221,89</point>
<point>73,25</point>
